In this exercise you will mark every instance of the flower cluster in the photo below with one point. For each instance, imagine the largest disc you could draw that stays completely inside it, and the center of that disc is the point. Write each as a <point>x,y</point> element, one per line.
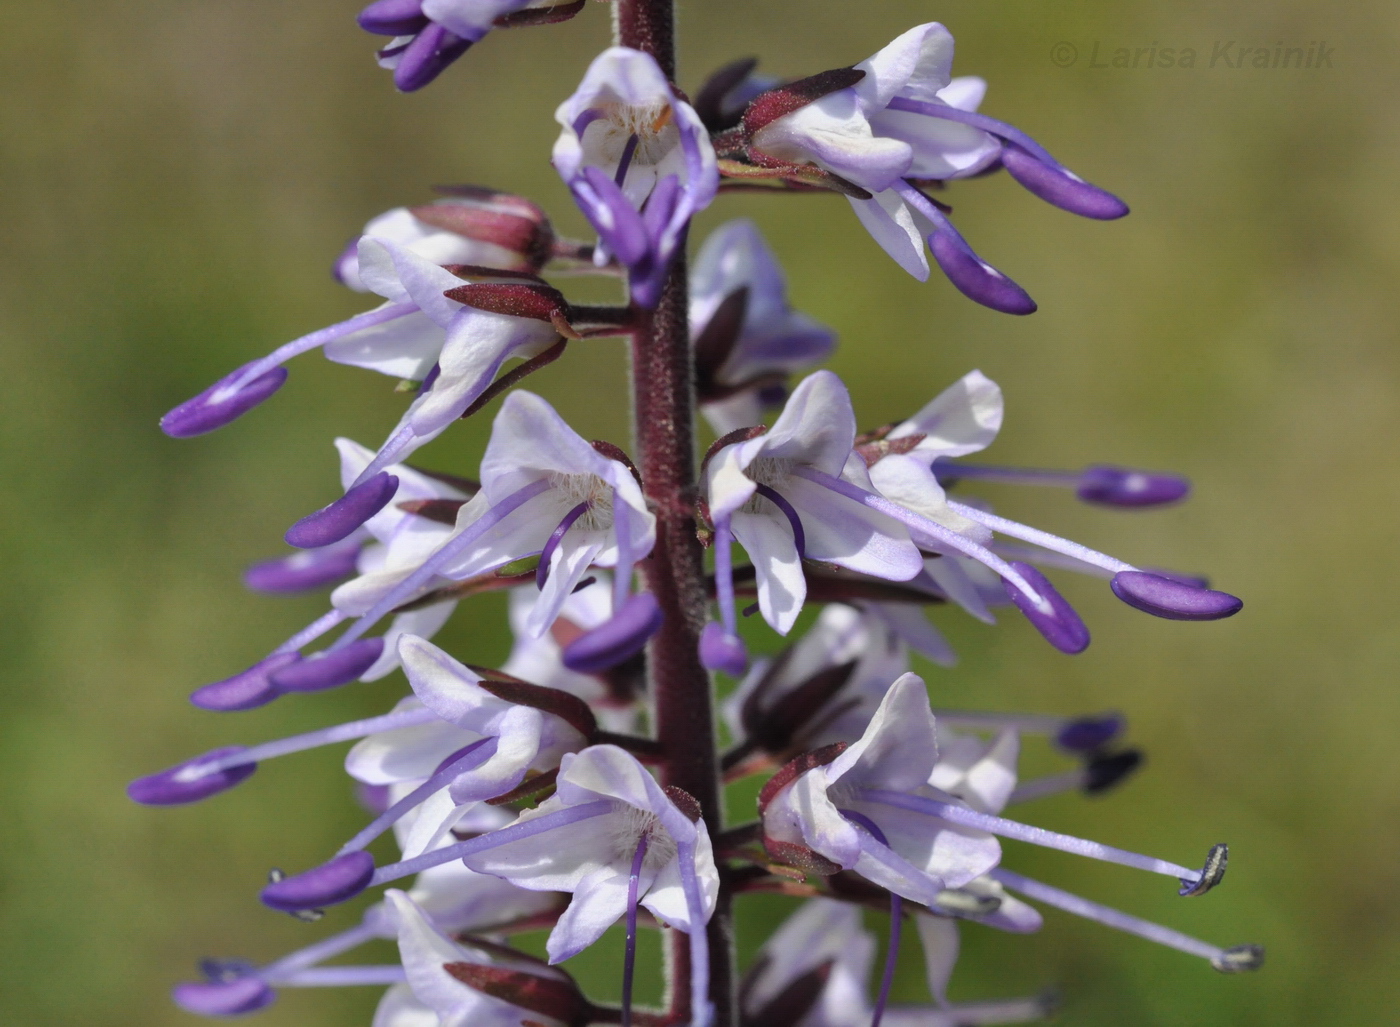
<point>577,786</point>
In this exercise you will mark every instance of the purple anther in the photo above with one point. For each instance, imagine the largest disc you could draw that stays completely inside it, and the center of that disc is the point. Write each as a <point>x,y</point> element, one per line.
<point>303,571</point>
<point>617,639</point>
<point>720,650</point>
<point>611,214</point>
<point>247,690</point>
<point>393,17</point>
<point>216,406</point>
<point>799,537</point>
<point>223,998</point>
<point>342,878</point>
<point>332,523</point>
<point>331,669</point>
<point>1053,617</point>
<point>1086,734</point>
<point>976,279</point>
<point>184,783</point>
<point>427,57</point>
<point>1173,600</point>
<point>552,543</point>
<point>1121,486</point>
<point>1059,187</point>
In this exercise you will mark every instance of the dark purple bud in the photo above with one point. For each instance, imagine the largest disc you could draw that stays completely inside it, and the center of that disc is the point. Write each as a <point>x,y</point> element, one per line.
<point>1053,617</point>
<point>1060,187</point>
<point>1173,600</point>
<point>1120,486</point>
<point>618,639</point>
<point>976,279</point>
<point>1089,733</point>
<point>334,522</point>
<point>427,57</point>
<point>181,784</point>
<point>393,17</point>
<point>245,691</point>
<point>1108,770</point>
<point>301,572</point>
<point>329,669</point>
<point>223,998</point>
<point>211,409</point>
<point>342,878</point>
<point>720,650</point>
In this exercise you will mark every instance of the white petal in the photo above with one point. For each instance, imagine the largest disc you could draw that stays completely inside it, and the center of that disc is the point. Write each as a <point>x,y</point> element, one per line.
<point>962,419</point>
<point>599,901</point>
<point>848,533</point>
<point>834,133</point>
<point>406,347</point>
<point>916,64</point>
<point>965,92</point>
<point>939,938</point>
<point>571,559</point>
<point>447,687</point>
<point>529,439</point>
<point>890,223</point>
<point>782,588</point>
<point>908,480</point>
<point>407,754</point>
<point>399,1008</point>
<point>899,748</point>
<point>424,623</point>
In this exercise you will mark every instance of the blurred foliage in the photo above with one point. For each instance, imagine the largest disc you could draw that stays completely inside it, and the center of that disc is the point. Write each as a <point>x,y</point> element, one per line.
<point>178,175</point>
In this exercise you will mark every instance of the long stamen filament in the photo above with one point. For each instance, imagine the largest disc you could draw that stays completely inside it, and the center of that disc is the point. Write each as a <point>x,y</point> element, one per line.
<point>482,843</point>
<point>327,948</point>
<point>629,959</point>
<point>310,633</point>
<point>1050,784</point>
<point>466,759</point>
<point>965,817</point>
<point>948,471</point>
<point>557,536</point>
<point>799,537</point>
<point>1041,538</point>
<point>625,161</point>
<point>345,976</point>
<point>896,921</point>
<point>724,574</point>
<point>310,740</point>
<point>931,531</point>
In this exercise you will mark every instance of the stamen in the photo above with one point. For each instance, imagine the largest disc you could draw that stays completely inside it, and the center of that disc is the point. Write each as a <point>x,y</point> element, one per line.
<point>1077,734</point>
<point>310,633</point>
<point>932,532</point>
<point>346,976</point>
<point>720,645</point>
<point>987,124</point>
<point>547,554</point>
<point>1050,784</point>
<point>896,921</point>
<point>405,589</point>
<point>629,959</point>
<point>304,571</point>
<point>336,521</point>
<point>1041,538</point>
<point>1231,960</point>
<point>467,758</point>
<point>702,1011</point>
<point>326,948</point>
<point>965,817</point>
<point>195,769</point>
<point>799,537</point>
<point>626,160</point>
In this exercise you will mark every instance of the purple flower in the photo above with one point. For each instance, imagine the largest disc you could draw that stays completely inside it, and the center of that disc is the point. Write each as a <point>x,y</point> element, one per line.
<point>638,161</point>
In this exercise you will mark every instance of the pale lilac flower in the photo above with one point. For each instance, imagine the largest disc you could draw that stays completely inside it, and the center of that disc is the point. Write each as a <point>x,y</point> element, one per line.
<point>592,857</point>
<point>825,809</point>
<point>748,338</point>
<point>476,226</point>
<point>907,120</point>
<point>824,947</point>
<point>638,161</point>
<point>544,490</point>
<point>758,495</point>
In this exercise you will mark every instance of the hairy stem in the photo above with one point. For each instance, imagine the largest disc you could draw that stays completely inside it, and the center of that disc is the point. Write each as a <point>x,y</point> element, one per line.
<point>664,408</point>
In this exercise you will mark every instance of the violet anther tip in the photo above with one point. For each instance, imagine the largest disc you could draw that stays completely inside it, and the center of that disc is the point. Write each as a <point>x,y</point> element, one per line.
<point>1053,617</point>
<point>334,522</point>
<point>1173,600</point>
<point>393,18</point>
<point>246,690</point>
<point>1239,959</point>
<point>1121,486</point>
<point>211,409</point>
<point>302,571</point>
<point>1059,187</point>
<point>720,650</point>
<point>223,998</point>
<point>337,881</point>
<point>1211,874</point>
<point>617,639</point>
<point>183,783</point>
<point>1085,734</point>
<point>976,280</point>
<point>331,669</point>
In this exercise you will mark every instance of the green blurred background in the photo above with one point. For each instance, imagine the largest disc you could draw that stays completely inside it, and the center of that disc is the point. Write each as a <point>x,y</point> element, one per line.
<point>175,178</point>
